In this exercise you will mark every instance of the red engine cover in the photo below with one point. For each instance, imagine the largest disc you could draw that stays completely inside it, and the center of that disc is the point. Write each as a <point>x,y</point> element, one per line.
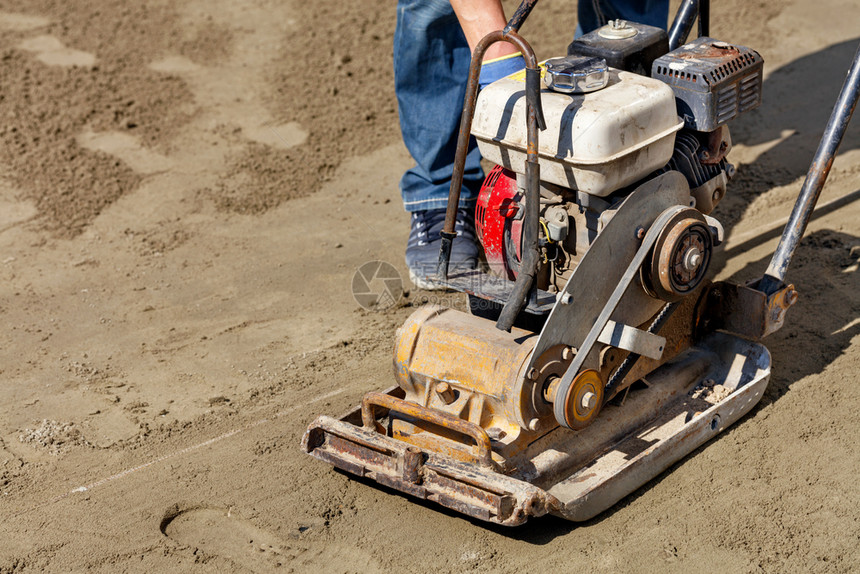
<point>498,230</point>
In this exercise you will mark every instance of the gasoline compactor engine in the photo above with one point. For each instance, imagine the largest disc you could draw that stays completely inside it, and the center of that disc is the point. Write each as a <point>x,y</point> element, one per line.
<point>609,128</point>
<point>599,351</point>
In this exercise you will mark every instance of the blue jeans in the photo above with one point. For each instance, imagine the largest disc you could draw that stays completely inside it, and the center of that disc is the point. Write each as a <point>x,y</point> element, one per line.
<point>431,64</point>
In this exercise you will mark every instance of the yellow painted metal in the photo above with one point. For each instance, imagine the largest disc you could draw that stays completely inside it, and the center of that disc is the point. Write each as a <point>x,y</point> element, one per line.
<point>481,371</point>
<point>577,414</point>
<point>482,440</point>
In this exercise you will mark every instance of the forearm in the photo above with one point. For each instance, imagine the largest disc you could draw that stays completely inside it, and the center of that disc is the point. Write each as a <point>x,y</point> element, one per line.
<point>480,17</point>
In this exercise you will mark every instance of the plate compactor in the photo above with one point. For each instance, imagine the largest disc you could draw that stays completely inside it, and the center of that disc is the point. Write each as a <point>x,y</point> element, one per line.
<point>598,352</point>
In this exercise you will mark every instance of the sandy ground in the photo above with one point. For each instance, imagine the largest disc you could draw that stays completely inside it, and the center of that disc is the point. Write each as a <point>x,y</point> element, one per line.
<point>184,199</point>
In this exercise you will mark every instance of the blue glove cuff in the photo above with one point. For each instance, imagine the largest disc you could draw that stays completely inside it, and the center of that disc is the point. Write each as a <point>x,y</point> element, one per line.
<point>499,68</point>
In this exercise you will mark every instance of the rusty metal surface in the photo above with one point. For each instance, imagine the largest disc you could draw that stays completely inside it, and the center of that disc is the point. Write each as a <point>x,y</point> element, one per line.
<point>669,278</point>
<point>467,488</point>
<point>479,363</point>
<point>436,417</point>
<point>593,281</point>
<point>815,178</point>
<point>718,145</point>
<point>644,454</point>
<point>573,475</point>
<point>461,365</point>
<point>676,322</point>
<point>448,233</point>
<point>744,310</point>
<point>586,344</point>
<point>522,12</point>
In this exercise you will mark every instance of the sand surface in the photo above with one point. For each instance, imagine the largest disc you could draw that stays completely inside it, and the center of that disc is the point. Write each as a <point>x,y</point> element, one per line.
<point>186,190</point>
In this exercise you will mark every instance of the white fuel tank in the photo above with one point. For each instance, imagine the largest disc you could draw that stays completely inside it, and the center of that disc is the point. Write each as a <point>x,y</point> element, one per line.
<point>596,142</point>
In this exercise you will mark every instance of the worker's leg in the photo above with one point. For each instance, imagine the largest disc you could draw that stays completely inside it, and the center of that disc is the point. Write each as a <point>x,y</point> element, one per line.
<point>431,64</point>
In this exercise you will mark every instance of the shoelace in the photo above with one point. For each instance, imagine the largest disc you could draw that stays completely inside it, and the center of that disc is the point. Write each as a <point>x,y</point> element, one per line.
<point>431,222</point>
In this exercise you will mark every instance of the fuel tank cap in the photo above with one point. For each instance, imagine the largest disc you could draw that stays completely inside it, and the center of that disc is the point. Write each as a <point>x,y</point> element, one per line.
<point>576,74</point>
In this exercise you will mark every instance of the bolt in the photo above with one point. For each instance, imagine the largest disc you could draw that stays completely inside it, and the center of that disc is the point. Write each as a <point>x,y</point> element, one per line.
<point>640,233</point>
<point>567,353</point>
<point>446,393</point>
<point>588,400</point>
<point>718,193</point>
<point>566,299</point>
<point>692,259</point>
<point>534,425</point>
<point>532,374</point>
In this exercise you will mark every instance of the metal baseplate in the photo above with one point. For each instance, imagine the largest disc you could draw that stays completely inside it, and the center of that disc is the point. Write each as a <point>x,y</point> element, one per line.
<point>574,475</point>
<point>497,290</point>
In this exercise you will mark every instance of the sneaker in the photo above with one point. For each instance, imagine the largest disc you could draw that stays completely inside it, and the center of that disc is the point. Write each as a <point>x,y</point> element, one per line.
<point>422,249</point>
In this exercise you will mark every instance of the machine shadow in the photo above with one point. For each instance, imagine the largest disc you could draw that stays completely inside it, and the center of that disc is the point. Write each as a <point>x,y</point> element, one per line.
<point>825,261</point>
<point>794,125</point>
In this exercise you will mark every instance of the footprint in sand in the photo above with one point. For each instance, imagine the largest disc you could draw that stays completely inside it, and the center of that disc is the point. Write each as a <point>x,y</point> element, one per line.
<point>11,22</point>
<point>282,136</point>
<point>12,210</point>
<point>50,50</point>
<point>127,148</point>
<point>218,532</point>
<point>174,65</point>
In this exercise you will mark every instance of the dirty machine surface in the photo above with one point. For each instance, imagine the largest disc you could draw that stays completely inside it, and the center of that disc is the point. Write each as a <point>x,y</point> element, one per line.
<point>598,351</point>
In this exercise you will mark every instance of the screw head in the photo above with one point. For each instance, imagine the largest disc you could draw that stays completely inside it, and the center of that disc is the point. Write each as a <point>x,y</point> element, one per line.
<point>588,400</point>
<point>692,259</point>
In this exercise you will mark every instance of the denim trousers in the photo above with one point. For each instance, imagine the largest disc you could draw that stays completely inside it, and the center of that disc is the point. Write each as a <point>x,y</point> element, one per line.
<point>431,64</point>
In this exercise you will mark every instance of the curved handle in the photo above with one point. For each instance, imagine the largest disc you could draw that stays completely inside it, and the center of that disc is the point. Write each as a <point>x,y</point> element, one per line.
<point>442,419</point>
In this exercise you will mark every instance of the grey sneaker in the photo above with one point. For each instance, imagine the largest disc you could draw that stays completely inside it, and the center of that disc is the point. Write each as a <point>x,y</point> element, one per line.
<point>422,249</point>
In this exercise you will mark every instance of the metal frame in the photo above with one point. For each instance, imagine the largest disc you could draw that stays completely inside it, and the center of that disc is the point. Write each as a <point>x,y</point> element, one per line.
<point>572,476</point>
<point>524,285</point>
<point>818,171</point>
<point>577,477</point>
